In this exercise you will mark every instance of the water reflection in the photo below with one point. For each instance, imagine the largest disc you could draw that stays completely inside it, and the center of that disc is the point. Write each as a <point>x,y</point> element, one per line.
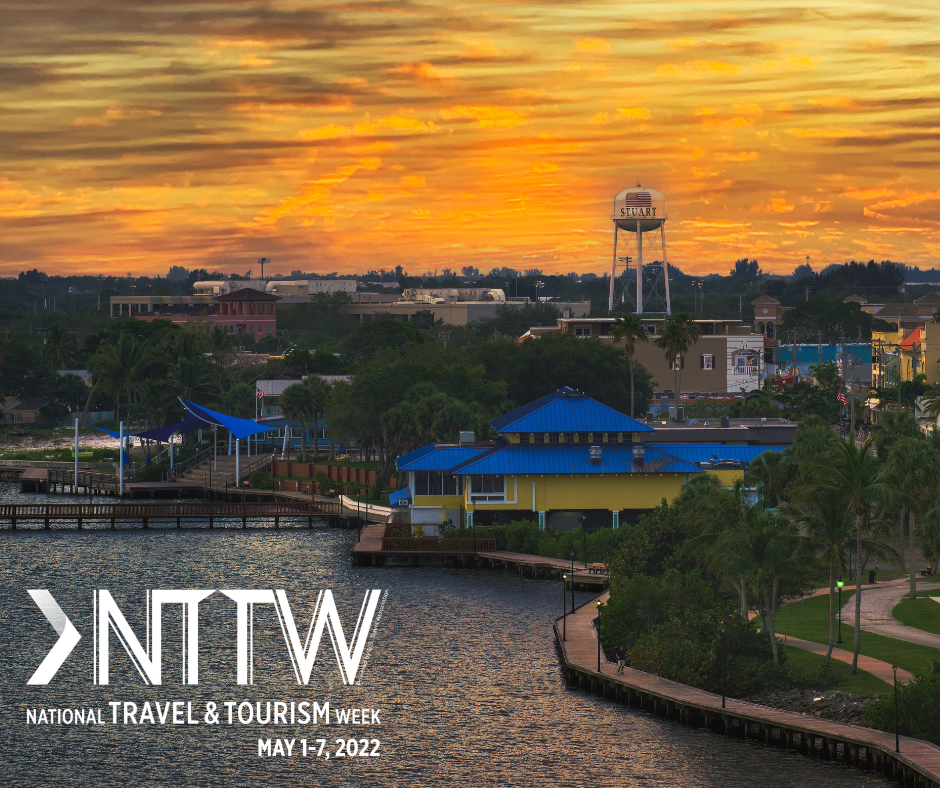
<point>464,670</point>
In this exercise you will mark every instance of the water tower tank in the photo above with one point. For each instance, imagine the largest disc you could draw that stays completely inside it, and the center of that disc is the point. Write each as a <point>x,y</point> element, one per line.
<point>639,204</point>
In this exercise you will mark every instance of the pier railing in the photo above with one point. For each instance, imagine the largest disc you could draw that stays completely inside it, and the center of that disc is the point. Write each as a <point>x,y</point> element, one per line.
<point>211,511</point>
<point>433,544</point>
<point>197,458</point>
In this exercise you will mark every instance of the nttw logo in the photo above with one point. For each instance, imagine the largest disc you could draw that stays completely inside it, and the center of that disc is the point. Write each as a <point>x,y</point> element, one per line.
<point>148,661</point>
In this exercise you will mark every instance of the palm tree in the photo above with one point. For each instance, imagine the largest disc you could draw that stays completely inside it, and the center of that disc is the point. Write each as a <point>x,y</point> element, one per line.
<point>764,548</point>
<point>827,527</point>
<point>814,438</point>
<point>679,333</point>
<point>59,346</point>
<point>854,475</point>
<point>121,367</point>
<point>191,378</point>
<point>930,401</point>
<point>891,427</point>
<point>153,401</point>
<point>629,330</point>
<point>917,466</point>
<point>297,404</point>
<point>320,390</point>
<point>717,511</point>
<point>773,471</point>
<point>928,537</point>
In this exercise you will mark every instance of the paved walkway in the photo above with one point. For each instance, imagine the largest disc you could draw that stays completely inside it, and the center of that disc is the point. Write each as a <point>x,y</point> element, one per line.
<point>877,604</point>
<point>878,668</point>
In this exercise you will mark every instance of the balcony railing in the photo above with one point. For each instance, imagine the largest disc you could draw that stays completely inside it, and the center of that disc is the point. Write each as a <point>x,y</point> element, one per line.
<point>739,370</point>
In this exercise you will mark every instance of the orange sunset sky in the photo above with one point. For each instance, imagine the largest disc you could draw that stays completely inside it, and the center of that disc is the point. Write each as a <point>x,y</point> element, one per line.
<point>351,136</point>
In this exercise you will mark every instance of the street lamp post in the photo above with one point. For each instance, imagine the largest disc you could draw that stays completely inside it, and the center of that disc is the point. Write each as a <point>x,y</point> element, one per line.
<point>897,739</point>
<point>564,608</point>
<point>572,582</point>
<point>722,667</point>
<point>839,583</point>
<point>598,636</point>
<point>584,535</point>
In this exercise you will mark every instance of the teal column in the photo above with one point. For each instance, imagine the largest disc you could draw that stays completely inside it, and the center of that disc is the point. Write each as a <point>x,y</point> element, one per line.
<point>469,519</point>
<point>616,520</point>
<point>541,521</point>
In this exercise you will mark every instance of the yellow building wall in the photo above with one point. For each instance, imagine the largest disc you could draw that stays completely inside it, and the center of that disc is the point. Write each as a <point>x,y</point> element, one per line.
<point>728,477</point>
<point>612,492</point>
<point>450,501</point>
<point>930,350</point>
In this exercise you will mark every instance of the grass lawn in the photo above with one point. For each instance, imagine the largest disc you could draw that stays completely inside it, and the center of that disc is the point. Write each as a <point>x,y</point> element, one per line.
<point>812,623</point>
<point>385,502</point>
<point>921,612</point>
<point>861,683</point>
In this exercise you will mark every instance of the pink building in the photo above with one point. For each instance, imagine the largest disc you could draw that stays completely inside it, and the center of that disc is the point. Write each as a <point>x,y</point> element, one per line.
<point>245,311</point>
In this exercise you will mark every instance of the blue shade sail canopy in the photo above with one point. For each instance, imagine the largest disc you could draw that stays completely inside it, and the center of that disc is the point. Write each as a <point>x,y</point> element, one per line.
<point>189,424</point>
<point>240,428</point>
<point>115,434</point>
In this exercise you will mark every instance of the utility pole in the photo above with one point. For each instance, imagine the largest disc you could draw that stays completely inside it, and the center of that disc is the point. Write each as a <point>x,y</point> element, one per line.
<point>807,289</point>
<point>852,395</point>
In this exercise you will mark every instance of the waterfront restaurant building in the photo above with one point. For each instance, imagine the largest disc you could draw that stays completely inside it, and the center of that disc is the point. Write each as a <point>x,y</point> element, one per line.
<point>564,460</point>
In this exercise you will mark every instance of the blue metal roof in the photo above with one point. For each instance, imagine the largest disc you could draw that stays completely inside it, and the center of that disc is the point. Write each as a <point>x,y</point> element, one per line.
<point>565,458</point>
<point>438,458</point>
<point>706,452</point>
<point>567,410</point>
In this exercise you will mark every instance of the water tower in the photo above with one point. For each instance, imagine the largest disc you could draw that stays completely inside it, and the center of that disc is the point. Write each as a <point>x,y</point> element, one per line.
<point>639,210</point>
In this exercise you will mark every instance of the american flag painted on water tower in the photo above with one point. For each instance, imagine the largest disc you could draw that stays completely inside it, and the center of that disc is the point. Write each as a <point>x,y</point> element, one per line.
<point>639,199</point>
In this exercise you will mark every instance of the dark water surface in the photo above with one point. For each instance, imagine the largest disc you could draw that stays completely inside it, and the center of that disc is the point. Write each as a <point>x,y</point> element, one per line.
<point>463,668</point>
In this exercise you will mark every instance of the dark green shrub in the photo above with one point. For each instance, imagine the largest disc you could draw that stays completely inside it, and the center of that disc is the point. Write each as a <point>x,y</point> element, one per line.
<point>152,473</point>
<point>917,707</point>
<point>261,479</point>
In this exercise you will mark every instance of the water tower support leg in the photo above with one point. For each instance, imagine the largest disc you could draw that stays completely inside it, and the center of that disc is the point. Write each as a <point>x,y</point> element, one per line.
<point>662,229</point>
<point>613,273</point>
<point>639,269</point>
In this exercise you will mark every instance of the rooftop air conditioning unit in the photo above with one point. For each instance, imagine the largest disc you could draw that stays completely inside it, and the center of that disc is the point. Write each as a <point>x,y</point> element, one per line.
<point>595,454</point>
<point>639,453</point>
<point>466,437</point>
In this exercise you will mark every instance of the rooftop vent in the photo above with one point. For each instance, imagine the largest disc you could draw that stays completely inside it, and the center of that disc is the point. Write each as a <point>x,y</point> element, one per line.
<point>595,454</point>
<point>466,437</point>
<point>639,453</point>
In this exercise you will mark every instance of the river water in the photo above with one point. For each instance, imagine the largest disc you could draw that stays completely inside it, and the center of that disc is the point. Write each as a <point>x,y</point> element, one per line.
<point>463,669</point>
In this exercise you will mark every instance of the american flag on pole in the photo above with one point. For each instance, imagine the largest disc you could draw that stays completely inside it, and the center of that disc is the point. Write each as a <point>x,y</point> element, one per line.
<point>842,398</point>
<point>639,199</point>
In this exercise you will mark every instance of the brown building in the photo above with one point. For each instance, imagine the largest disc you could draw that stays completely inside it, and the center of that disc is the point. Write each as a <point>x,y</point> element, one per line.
<point>726,358</point>
<point>768,316</point>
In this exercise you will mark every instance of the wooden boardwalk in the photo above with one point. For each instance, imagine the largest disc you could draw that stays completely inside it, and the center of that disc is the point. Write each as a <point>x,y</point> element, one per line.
<point>917,764</point>
<point>379,542</point>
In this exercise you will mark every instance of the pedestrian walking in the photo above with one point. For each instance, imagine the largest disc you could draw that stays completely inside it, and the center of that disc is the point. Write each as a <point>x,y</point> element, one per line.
<point>621,654</point>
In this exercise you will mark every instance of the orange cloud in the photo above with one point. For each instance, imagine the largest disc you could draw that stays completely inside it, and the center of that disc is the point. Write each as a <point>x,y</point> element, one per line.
<point>597,45</point>
<point>634,113</point>
<point>777,204</point>
<point>486,117</point>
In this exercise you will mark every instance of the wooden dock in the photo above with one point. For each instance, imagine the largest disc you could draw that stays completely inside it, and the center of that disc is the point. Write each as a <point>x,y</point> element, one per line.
<point>382,541</point>
<point>917,764</point>
<point>143,515</point>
